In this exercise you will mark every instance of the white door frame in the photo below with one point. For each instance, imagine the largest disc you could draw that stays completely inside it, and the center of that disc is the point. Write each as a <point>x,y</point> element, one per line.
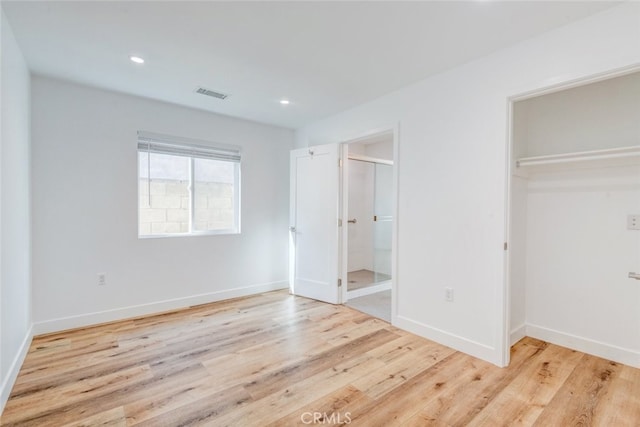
<point>505,331</point>
<point>344,197</point>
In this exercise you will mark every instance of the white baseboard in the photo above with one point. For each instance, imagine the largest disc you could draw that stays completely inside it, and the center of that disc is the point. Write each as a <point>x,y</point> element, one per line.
<point>517,334</point>
<point>82,320</point>
<point>606,351</point>
<point>14,369</point>
<point>456,342</point>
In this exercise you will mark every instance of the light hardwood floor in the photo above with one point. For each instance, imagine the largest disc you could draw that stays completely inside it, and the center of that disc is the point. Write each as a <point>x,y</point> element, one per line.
<point>275,360</point>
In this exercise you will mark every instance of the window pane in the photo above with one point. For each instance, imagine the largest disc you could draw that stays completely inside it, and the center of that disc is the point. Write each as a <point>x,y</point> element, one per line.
<point>214,195</point>
<point>167,210</point>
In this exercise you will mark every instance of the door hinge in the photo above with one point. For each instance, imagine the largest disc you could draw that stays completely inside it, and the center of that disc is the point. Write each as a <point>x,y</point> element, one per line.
<point>339,222</point>
<point>339,283</point>
<point>339,163</point>
<point>505,246</point>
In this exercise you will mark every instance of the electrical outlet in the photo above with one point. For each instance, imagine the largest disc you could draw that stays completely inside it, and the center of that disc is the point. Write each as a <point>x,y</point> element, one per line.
<point>448,294</point>
<point>102,279</point>
<point>633,222</point>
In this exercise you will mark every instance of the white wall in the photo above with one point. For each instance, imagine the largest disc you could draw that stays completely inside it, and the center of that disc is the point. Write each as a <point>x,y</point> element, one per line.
<point>85,210</point>
<point>599,115</point>
<point>518,267</point>
<point>518,226</point>
<point>577,248</point>
<point>579,253</point>
<point>452,174</point>
<point>380,150</point>
<point>15,219</point>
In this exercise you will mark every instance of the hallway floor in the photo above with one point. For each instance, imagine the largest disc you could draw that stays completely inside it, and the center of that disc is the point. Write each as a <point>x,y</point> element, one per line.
<point>376,305</point>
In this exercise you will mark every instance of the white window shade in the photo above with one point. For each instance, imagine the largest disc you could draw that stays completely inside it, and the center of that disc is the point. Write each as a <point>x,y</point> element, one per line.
<point>177,146</point>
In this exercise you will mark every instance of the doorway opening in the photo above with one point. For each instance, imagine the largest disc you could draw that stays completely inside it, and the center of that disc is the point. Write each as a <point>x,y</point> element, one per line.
<point>368,195</point>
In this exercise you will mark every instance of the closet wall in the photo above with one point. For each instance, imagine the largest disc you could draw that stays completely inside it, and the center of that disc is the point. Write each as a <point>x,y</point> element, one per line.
<point>571,250</point>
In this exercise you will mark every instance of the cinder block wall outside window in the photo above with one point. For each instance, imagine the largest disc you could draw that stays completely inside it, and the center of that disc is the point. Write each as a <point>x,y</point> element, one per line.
<point>168,212</point>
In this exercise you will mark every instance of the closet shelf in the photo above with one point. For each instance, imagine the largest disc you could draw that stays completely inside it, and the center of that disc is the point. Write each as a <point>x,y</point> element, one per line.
<point>581,156</point>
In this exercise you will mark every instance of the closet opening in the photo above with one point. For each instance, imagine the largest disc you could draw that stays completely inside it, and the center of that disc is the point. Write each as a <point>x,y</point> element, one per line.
<point>574,191</point>
<point>369,205</point>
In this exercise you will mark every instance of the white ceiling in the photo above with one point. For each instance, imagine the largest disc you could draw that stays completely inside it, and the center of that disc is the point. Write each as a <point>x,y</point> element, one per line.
<point>325,57</point>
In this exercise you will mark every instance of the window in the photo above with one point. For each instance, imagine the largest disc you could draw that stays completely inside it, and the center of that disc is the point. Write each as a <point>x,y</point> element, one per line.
<point>187,187</point>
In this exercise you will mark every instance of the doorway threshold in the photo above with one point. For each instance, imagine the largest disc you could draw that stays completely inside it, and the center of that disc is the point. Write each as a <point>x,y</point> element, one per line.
<point>368,290</point>
<point>377,305</point>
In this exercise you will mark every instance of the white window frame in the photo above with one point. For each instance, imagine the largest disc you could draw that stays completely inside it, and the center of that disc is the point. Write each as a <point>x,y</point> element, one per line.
<point>149,142</point>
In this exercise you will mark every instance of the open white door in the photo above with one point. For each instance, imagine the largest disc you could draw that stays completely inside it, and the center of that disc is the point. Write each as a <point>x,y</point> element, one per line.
<point>314,252</point>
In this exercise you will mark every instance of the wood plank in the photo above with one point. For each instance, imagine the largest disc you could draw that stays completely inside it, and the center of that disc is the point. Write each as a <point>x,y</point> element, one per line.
<point>401,370</point>
<point>332,409</point>
<point>400,404</point>
<point>537,381</point>
<point>395,349</point>
<point>202,411</point>
<point>360,330</point>
<point>278,380</point>
<point>40,406</point>
<point>484,383</point>
<point>112,418</point>
<point>621,405</point>
<point>581,394</point>
<point>250,364</point>
<point>299,394</point>
<point>168,377</point>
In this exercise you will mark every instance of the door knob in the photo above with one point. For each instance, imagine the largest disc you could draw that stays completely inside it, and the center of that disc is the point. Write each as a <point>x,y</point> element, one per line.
<point>633,275</point>
<point>292,229</point>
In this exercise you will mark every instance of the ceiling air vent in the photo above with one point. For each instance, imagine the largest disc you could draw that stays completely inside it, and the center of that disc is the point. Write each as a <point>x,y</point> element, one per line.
<point>212,93</point>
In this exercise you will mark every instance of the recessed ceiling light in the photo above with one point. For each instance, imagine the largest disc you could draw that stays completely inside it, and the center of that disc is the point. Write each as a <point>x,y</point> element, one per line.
<point>284,101</point>
<point>136,59</point>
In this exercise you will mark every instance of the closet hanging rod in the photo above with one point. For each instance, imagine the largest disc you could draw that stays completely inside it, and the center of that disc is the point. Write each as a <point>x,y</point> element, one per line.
<point>610,153</point>
<point>363,158</point>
